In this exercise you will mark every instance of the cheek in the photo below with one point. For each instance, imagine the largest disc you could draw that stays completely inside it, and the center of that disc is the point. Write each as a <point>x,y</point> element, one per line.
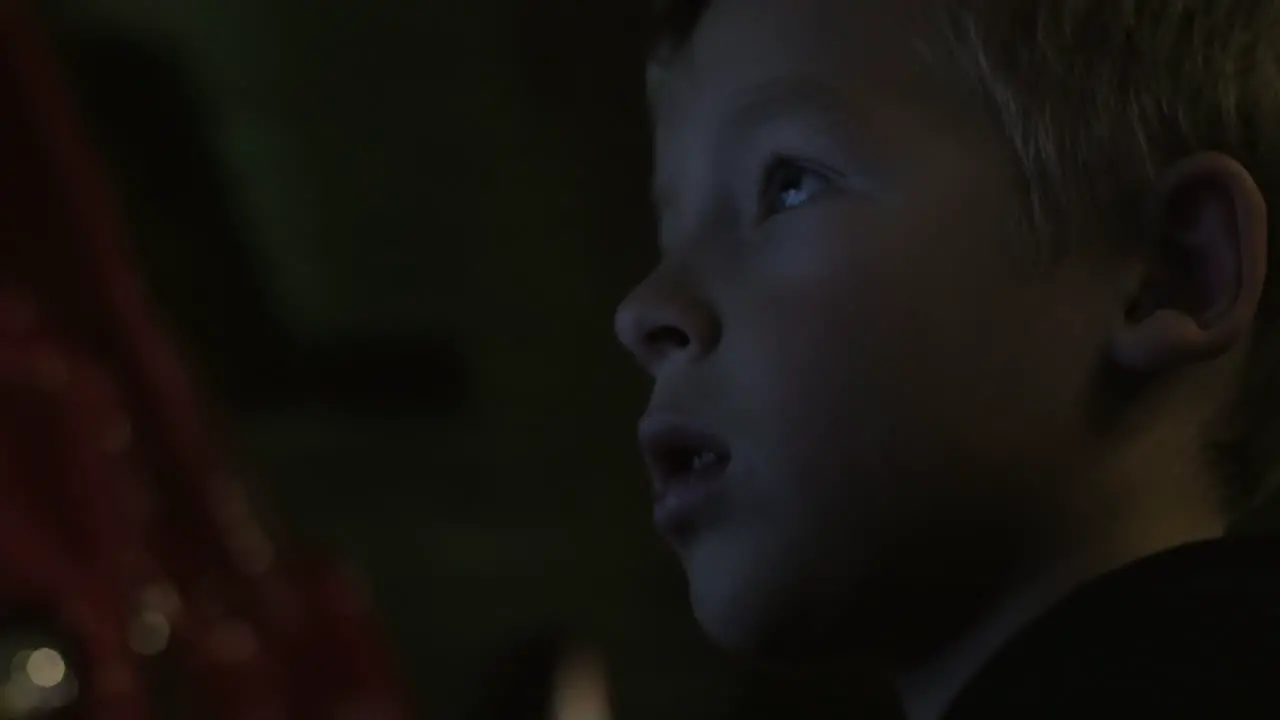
<point>895,373</point>
<point>835,379</point>
<point>829,313</point>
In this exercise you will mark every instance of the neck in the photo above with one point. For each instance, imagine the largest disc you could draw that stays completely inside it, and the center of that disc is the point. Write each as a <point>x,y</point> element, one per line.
<point>927,689</point>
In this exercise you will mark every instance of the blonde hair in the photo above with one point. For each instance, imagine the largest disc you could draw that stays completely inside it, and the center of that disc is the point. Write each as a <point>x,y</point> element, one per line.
<point>1096,97</point>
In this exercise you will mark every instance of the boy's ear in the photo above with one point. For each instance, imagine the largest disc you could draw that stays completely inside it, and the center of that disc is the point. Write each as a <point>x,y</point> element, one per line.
<point>1202,280</point>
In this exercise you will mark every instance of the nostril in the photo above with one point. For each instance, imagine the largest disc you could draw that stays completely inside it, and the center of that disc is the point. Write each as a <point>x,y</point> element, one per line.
<point>665,338</point>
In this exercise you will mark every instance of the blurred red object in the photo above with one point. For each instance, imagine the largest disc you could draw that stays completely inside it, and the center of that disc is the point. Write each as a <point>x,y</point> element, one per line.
<point>131,564</point>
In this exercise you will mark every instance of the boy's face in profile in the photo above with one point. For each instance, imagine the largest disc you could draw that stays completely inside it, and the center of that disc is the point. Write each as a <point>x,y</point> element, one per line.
<point>843,298</point>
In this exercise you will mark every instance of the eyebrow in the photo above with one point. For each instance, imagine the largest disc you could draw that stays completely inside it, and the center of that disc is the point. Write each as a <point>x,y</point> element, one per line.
<point>788,95</point>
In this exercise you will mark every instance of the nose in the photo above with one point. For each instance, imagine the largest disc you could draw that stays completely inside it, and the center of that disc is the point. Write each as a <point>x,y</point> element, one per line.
<point>661,321</point>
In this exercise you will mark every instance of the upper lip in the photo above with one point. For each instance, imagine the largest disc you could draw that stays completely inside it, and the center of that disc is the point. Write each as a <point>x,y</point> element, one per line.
<point>669,444</point>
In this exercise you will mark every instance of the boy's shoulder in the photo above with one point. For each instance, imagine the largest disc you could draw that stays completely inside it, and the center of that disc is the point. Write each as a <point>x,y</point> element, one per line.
<point>1189,632</point>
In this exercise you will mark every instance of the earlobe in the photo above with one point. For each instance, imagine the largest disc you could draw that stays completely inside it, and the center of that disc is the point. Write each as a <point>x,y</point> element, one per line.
<point>1203,280</point>
<point>1167,338</point>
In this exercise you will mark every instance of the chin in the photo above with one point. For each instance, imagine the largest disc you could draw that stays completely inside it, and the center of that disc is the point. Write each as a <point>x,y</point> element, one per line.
<point>747,612</point>
<point>742,640</point>
<point>728,627</point>
<point>771,637</point>
<point>725,593</point>
<point>781,613</point>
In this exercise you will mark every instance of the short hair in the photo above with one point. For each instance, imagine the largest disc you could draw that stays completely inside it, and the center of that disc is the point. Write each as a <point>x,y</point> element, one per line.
<point>1096,98</point>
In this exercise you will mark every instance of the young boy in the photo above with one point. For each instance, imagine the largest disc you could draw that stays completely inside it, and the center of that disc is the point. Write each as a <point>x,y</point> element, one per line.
<point>962,356</point>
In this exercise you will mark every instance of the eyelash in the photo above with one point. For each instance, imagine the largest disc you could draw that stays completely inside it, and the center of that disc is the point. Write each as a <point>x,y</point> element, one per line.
<point>774,175</point>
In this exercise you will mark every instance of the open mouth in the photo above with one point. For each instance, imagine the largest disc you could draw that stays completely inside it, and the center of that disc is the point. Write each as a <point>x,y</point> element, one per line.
<point>679,455</point>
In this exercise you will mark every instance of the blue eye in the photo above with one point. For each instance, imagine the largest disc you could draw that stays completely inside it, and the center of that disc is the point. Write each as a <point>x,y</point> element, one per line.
<point>787,185</point>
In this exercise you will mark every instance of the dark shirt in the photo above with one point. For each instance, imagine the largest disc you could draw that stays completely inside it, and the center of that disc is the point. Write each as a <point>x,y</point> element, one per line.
<point>1192,632</point>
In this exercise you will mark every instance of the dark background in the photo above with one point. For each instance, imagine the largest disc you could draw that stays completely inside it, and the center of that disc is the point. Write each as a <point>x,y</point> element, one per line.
<point>390,235</point>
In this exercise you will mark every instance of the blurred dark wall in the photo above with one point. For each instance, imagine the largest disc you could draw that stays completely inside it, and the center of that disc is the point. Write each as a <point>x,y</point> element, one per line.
<point>392,234</point>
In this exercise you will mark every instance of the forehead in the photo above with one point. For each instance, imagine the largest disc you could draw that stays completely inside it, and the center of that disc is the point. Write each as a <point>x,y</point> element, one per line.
<point>865,47</point>
<point>872,61</point>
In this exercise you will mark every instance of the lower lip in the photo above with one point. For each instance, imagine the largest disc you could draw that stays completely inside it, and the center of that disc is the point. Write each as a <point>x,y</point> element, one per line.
<point>681,503</point>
